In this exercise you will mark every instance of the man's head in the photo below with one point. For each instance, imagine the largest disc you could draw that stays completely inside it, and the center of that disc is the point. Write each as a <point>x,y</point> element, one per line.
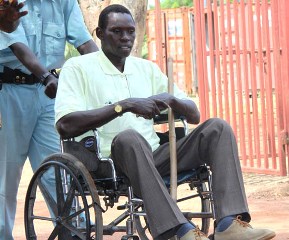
<point>116,30</point>
<point>114,8</point>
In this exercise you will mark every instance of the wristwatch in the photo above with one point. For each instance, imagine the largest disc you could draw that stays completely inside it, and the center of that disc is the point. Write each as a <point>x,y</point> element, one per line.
<point>118,109</point>
<point>44,77</point>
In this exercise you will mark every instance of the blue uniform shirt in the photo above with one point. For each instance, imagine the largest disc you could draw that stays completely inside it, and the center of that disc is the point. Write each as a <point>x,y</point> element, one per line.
<point>46,28</point>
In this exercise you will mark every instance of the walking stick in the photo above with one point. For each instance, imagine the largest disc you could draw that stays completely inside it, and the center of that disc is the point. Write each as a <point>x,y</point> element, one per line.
<point>172,135</point>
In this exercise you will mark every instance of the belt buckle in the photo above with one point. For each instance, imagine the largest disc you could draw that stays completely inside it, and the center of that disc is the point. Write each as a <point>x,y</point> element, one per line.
<point>19,79</point>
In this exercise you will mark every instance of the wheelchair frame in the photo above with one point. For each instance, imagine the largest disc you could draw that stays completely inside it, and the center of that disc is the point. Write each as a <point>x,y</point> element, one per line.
<point>77,199</point>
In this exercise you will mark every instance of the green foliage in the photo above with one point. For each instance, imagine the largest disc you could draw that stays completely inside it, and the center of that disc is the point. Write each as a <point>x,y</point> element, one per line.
<point>145,53</point>
<point>70,51</point>
<point>176,3</point>
<point>188,3</point>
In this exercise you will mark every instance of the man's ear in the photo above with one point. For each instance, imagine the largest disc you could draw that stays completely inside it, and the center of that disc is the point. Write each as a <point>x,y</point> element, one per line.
<point>99,33</point>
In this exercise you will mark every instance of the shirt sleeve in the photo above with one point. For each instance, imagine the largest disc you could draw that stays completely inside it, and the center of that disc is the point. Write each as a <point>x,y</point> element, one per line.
<point>77,31</point>
<point>71,90</point>
<point>7,39</point>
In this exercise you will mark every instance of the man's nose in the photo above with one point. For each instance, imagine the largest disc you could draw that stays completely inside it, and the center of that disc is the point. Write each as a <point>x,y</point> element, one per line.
<point>125,36</point>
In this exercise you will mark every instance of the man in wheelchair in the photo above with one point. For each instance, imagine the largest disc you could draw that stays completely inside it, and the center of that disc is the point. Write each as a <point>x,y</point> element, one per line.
<point>120,95</point>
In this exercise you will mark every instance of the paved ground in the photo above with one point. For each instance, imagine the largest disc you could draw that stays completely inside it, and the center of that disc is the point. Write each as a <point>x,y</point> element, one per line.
<point>268,198</point>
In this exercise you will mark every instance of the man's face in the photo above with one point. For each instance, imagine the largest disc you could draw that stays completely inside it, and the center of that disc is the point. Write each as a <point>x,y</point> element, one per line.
<point>119,35</point>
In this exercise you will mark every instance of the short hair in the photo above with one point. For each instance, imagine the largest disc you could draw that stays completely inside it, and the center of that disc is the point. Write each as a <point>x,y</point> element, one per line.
<point>115,8</point>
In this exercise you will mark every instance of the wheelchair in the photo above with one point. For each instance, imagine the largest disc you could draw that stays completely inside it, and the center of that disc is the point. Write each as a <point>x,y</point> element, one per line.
<point>68,195</point>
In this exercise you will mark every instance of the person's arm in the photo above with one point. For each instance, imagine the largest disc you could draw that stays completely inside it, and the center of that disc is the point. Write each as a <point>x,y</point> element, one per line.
<point>79,36</point>
<point>10,15</point>
<point>77,123</point>
<point>87,47</point>
<point>31,62</point>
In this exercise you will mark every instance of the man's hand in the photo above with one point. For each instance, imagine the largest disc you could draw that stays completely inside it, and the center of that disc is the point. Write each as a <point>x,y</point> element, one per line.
<point>10,15</point>
<point>163,100</point>
<point>144,107</point>
<point>51,86</point>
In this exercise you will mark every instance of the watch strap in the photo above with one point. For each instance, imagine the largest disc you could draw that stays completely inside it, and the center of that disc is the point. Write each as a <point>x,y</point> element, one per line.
<point>44,77</point>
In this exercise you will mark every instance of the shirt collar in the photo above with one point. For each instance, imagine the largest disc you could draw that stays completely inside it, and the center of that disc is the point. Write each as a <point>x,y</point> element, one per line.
<point>110,69</point>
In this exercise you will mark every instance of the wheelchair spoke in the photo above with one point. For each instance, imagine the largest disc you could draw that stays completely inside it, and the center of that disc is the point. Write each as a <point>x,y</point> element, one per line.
<point>49,199</point>
<point>43,218</point>
<point>75,214</point>
<point>54,233</point>
<point>59,189</point>
<point>73,230</point>
<point>69,199</point>
<point>61,232</point>
<point>65,234</point>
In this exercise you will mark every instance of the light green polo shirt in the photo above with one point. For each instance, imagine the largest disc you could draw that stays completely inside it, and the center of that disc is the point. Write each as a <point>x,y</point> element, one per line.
<point>91,81</point>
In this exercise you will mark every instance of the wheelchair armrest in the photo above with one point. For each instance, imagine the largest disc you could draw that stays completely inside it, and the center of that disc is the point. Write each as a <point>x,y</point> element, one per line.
<point>90,155</point>
<point>164,118</point>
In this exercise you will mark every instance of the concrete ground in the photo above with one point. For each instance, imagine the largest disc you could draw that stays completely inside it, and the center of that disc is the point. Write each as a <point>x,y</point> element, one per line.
<point>268,198</point>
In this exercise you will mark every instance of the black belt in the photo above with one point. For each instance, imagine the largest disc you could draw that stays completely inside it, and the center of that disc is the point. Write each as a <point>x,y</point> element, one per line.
<point>15,76</point>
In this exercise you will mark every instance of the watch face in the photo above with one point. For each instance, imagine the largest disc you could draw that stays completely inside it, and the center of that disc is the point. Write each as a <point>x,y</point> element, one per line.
<point>118,108</point>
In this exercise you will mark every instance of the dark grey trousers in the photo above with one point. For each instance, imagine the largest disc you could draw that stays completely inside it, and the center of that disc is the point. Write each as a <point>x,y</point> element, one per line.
<point>213,142</point>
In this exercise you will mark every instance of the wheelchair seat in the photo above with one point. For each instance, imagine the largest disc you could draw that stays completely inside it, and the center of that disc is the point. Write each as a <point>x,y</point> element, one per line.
<point>182,177</point>
<point>194,175</point>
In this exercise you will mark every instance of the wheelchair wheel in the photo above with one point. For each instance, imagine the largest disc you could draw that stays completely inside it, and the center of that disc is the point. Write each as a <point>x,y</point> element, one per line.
<point>196,209</point>
<point>201,219</point>
<point>142,227</point>
<point>62,202</point>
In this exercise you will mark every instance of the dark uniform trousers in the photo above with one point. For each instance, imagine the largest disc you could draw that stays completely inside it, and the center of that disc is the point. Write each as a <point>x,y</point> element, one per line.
<point>212,142</point>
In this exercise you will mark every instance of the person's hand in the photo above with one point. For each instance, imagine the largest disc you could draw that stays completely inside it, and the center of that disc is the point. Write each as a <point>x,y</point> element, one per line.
<point>10,15</point>
<point>51,86</point>
<point>163,100</point>
<point>146,107</point>
<point>13,13</point>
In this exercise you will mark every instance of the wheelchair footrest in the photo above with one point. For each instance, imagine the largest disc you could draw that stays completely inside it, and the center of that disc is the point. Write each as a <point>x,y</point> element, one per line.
<point>130,237</point>
<point>121,207</point>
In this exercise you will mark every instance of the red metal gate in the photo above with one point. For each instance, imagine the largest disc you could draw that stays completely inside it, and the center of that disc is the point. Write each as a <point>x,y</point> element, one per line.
<point>241,54</point>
